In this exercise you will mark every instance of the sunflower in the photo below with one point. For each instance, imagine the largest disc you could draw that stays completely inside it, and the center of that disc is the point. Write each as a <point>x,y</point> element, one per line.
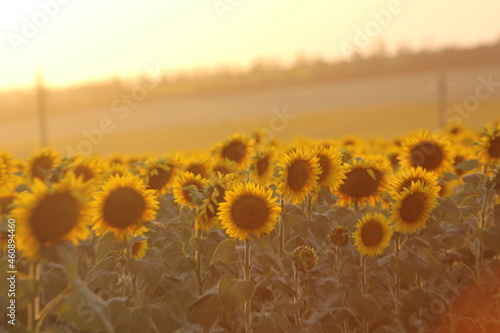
<point>373,234</point>
<point>249,210</point>
<point>462,153</point>
<point>6,168</point>
<point>122,206</point>
<point>430,151</point>
<point>332,171</point>
<point>299,174</point>
<point>262,170</point>
<point>159,174</point>
<point>40,163</point>
<point>198,165</point>
<point>184,187</point>
<point>405,178</point>
<point>213,195</point>
<point>490,145</point>
<point>412,207</point>
<point>7,198</point>
<point>305,257</point>
<point>224,166</point>
<point>139,248</point>
<point>88,169</point>
<point>237,148</point>
<point>50,213</point>
<point>366,180</point>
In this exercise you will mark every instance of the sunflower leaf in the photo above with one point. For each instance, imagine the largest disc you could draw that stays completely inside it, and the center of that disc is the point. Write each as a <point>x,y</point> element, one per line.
<point>467,165</point>
<point>225,252</point>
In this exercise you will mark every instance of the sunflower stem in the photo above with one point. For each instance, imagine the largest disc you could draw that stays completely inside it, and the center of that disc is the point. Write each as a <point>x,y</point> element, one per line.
<point>397,279</point>
<point>281,229</point>
<point>198,258</point>
<point>135,291</point>
<point>356,206</point>
<point>246,275</point>
<point>364,288</point>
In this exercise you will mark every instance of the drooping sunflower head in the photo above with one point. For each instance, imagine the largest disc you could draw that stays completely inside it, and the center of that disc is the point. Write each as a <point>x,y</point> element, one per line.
<point>198,164</point>
<point>139,248</point>
<point>405,178</point>
<point>50,213</point>
<point>187,187</point>
<point>366,179</point>
<point>249,210</point>
<point>299,174</point>
<point>213,195</point>
<point>373,234</point>
<point>159,174</point>
<point>332,170</point>
<point>490,145</point>
<point>305,257</point>
<point>412,207</point>
<point>237,148</point>
<point>339,236</point>
<point>123,205</point>
<point>41,163</point>
<point>430,151</point>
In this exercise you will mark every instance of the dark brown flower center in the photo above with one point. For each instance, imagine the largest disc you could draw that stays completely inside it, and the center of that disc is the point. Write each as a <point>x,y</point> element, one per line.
<point>299,175</point>
<point>412,207</point>
<point>262,166</point>
<point>372,233</point>
<point>249,212</point>
<point>360,184</point>
<point>85,172</point>
<point>41,164</point>
<point>198,169</point>
<point>324,164</point>
<point>54,217</point>
<point>123,207</point>
<point>428,155</point>
<point>160,178</point>
<point>494,149</point>
<point>234,151</point>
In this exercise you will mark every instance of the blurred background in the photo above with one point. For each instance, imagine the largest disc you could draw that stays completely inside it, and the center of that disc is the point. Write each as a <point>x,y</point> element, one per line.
<point>164,75</point>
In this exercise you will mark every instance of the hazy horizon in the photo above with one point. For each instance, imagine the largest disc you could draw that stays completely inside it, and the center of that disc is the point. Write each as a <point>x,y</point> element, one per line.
<point>74,41</point>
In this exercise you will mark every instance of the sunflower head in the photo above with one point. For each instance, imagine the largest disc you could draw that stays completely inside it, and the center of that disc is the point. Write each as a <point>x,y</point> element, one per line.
<point>139,248</point>
<point>490,145</point>
<point>339,236</point>
<point>198,164</point>
<point>299,174</point>
<point>305,257</point>
<point>262,170</point>
<point>188,187</point>
<point>412,207</point>
<point>159,174</point>
<point>52,212</point>
<point>213,195</point>
<point>430,151</point>
<point>88,169</point>
<point>405,178</point>
<point>365,181</point>
<point>373,234</point>
<point>332,171</point>
<point>41,163</point>
<point>122,206</point>
<point>237,148</point>
<point>249,210</point>
<point>224,167</point>
<point>462,153</point>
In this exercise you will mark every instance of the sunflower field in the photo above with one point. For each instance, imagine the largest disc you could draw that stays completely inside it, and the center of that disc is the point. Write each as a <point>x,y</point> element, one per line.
<point>257,235</point>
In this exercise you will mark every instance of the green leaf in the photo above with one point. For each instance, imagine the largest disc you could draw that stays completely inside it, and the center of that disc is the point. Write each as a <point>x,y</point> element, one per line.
<point>298,223</point>
<point>206,310</point>
<point>225,252</point>
<point>234,292</point>
<point>364,305</point>
<point>467,165</point>
<point>103,274</point>
<point>134,320</point>
<point>107,244</point>
<point>403,269</point>
<point>490,237</point>
<point>149,268</point>
<point>82,312</point>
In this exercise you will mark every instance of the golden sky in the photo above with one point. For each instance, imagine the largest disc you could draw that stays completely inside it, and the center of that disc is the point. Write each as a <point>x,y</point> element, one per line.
<point>80,40</point>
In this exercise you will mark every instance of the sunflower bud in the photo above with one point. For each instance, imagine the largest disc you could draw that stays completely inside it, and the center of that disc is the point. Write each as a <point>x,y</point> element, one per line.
<point>339,236</point>
<point>305,257</point>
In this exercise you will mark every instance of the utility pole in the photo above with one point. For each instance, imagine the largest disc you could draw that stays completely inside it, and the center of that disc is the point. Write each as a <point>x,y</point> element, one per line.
<point>442,92</point>
<point>42,114</point>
